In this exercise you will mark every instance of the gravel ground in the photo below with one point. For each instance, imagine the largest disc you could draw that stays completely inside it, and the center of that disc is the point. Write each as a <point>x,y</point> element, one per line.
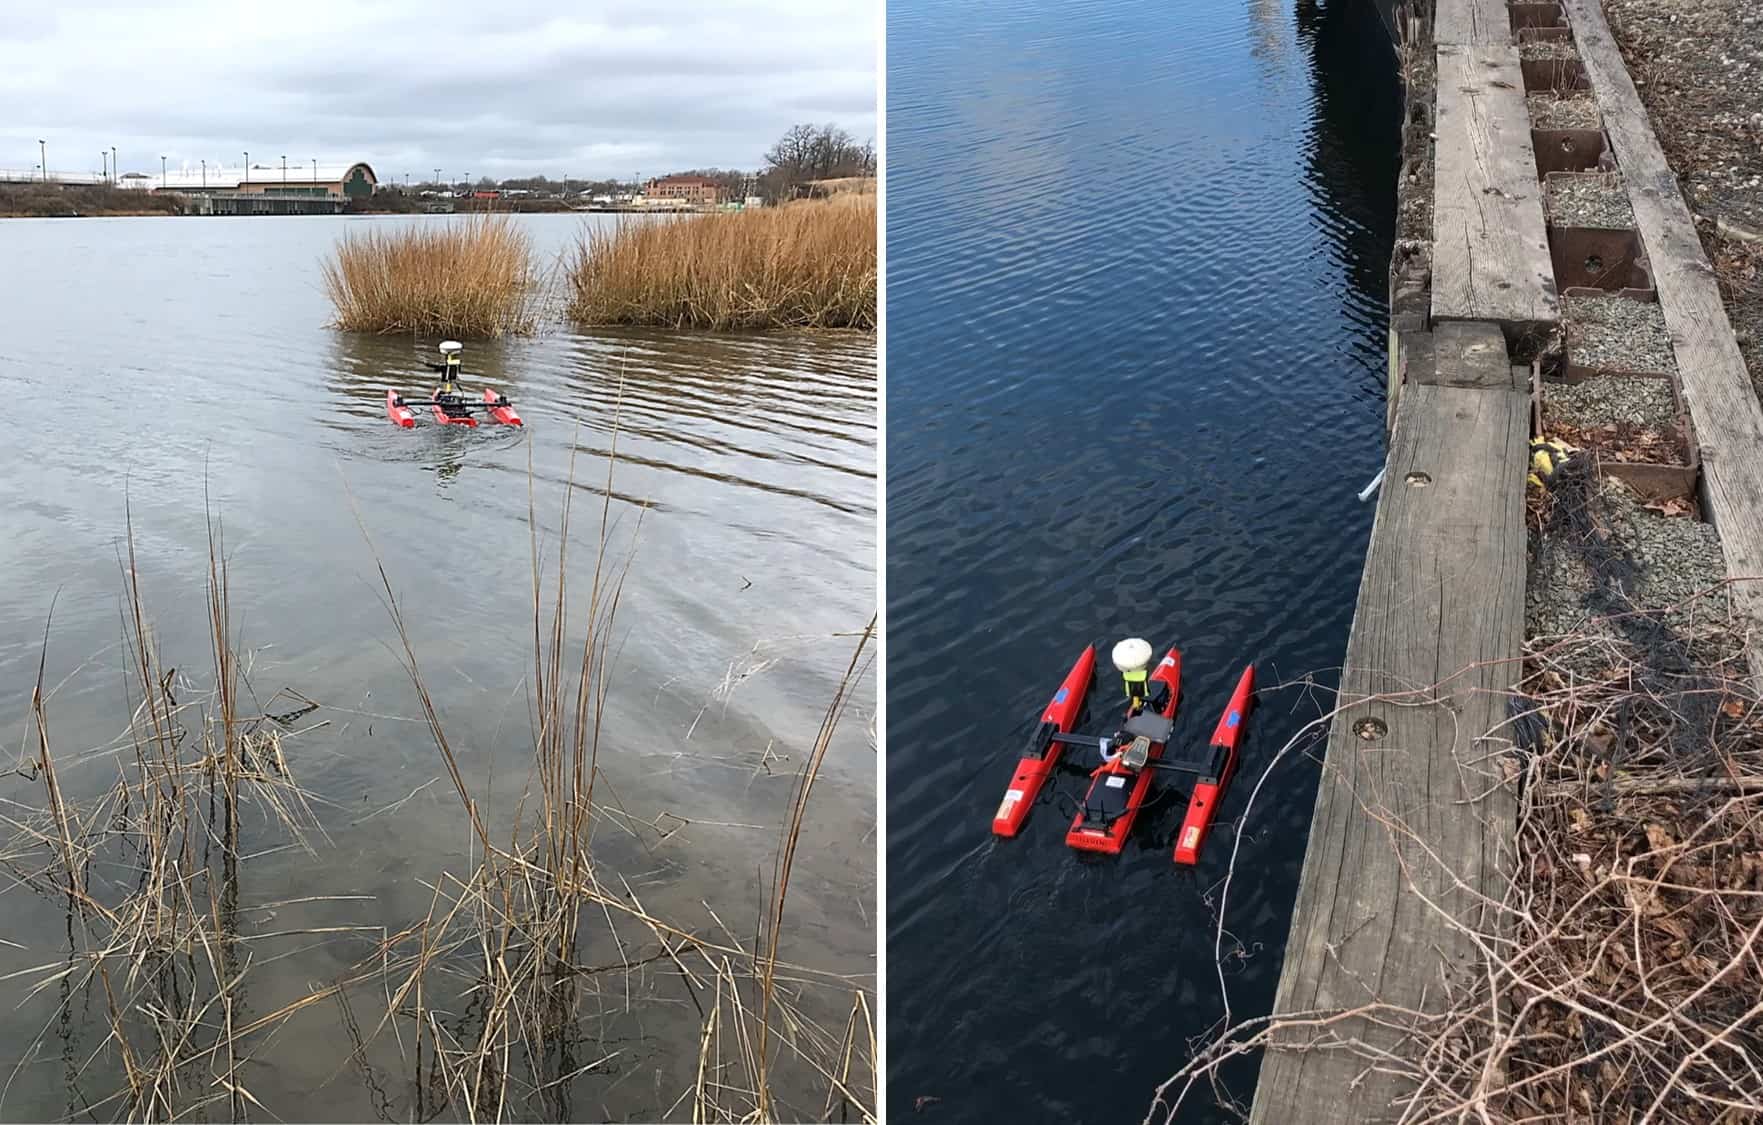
<point>1677,556</point>
<point>1565,111</point>
<point>1604,399</point>
<point>1699,67</point>
<point>1617,334</point>
<point>1588,201</point>
<point>1414,196</point>
<point>1548,49</point>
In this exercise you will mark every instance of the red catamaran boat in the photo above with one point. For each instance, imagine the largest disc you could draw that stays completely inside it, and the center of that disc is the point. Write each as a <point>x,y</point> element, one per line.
<point>1119,788</point>
<point>451,406</point>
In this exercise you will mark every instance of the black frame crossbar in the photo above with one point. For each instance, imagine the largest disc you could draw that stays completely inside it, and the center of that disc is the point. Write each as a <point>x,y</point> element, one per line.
<point>1094,742</point>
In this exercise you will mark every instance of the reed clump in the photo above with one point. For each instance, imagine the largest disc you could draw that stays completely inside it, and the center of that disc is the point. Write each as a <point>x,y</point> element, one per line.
<point>148,872</point>
<point>503,1001</point>
<point>472,276</point>
<point>808,264</point>
<point>529,941</point>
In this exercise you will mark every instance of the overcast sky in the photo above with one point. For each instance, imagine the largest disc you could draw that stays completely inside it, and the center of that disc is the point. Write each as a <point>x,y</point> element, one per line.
<point>591,88</point>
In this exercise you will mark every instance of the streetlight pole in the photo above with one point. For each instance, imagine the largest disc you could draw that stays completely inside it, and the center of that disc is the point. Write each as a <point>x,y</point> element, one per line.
<point>113,167</point>
<point>315,169</point>
<point>437,177</point>
<point>44,152</point>
<point>205,175</point>
<point>103,165</point>
<point>161,171</point>
<point>247,180</point>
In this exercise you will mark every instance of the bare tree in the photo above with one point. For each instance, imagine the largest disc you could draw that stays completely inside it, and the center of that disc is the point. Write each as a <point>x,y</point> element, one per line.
<point>813,152</point>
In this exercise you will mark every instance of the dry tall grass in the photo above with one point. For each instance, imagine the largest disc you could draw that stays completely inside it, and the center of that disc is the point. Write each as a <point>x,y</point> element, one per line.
<point>1620,963</point>
<point>148,873</point>
<point>810,264</point>
<point>513,927</point>
<point>472,276</point>
<point>492,1005</point>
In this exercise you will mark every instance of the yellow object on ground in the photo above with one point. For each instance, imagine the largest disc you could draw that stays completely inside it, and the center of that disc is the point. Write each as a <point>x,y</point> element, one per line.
<point>1546,457</point>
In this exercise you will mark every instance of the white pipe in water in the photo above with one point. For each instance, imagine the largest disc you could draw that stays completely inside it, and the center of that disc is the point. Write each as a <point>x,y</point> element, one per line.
<point>1366,493</point>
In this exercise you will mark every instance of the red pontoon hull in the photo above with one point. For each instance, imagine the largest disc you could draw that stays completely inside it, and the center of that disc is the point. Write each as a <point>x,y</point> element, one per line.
<point>500,410</point>
<point>398,412</point>
<point>1032,772</point>
<point>1203,805</point>
<point>1112,838</point>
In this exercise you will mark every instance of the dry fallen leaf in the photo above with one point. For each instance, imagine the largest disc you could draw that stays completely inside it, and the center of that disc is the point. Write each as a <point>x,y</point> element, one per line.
<point>1674,506</point>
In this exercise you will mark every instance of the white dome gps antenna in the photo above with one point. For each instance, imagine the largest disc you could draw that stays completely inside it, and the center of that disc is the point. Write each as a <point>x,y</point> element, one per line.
<point>451,349</point>
<point>1132,657</point>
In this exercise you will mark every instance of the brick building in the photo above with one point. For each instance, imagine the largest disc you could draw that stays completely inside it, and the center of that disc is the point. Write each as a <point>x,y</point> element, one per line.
<point>685,189</point>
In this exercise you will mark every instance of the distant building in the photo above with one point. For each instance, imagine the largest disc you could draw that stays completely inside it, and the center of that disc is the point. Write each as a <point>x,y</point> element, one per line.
<point>337,180</point>
<point>684,189</point>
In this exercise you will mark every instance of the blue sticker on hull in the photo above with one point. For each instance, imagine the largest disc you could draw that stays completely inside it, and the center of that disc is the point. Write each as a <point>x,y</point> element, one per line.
<point>1059,696</point>
<point>1233,719</point>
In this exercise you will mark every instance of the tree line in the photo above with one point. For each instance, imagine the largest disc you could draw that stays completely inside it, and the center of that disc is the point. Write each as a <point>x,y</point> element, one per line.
<point>804,154</point>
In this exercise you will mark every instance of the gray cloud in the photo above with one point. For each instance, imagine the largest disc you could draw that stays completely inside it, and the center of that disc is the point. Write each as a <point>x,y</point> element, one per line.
<point>499,88</point>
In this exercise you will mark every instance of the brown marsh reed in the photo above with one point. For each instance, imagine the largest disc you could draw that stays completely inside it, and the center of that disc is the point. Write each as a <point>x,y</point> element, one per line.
<point>520,913</point>
<point>484,1007</point>
<point>149,871</point>
<point>470,276</point>
<point>808,264</point>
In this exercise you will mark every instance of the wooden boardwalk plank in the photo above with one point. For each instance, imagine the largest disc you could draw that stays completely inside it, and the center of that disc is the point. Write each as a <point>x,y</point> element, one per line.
<point>1717,389</point>
<point>1490,251</point>
<point>1441,603</point>
<point>1471,22</point>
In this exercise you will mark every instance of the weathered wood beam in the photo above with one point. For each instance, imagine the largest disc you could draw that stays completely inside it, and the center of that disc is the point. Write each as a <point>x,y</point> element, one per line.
<point>1471,22</point>
<point>1490,250</point>
<point>1440,624</point>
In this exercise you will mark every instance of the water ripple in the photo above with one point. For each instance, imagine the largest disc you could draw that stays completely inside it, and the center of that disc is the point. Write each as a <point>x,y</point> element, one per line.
<point>1135,360</point>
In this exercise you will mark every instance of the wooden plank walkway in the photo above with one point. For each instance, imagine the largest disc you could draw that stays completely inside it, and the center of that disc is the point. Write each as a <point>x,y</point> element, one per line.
<point>1442,595</point>
<point>1472,22</point>
<point>1490,252</point>
<point>1717,390</point>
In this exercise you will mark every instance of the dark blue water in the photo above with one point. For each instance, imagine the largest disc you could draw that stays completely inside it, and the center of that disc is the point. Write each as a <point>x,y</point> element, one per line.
<point>1136,345</point>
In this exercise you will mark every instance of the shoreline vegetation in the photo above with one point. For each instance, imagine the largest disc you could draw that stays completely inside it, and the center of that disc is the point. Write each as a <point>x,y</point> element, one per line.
<point>527,939</point>
<point>75,201</point>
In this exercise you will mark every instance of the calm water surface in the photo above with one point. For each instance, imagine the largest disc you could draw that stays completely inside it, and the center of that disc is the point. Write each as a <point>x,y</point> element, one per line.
<point>1136,324</point>
<point>154,359</point>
